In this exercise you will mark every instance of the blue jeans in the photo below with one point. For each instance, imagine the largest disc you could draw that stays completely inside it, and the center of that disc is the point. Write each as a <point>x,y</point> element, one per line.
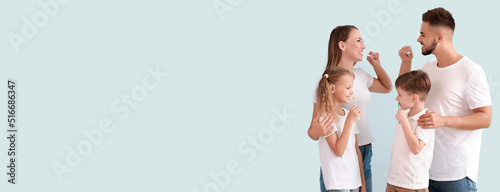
<point>462,185</point>
<point>366,153</point>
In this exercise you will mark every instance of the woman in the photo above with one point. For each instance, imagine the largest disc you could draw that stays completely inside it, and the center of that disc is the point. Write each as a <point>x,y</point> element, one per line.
<point>344,50</point>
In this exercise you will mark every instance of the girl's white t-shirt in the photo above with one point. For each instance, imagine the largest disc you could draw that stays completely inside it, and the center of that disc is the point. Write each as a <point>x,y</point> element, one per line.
<point>340,172</point>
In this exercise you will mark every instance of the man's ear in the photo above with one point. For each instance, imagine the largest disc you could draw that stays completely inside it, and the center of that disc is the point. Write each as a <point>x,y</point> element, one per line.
<point>440,37</point>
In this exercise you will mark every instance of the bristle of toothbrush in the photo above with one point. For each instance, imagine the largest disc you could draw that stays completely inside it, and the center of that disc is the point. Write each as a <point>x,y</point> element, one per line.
<point>371,56</point>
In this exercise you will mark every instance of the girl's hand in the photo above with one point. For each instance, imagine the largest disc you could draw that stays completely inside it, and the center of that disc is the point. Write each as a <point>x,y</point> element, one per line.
<point>401,116</point>
<point>354,113</point>
<point>374,60</point>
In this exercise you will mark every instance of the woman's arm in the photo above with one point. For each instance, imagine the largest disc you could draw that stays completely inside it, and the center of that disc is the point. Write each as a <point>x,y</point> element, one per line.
<point>381,84</point>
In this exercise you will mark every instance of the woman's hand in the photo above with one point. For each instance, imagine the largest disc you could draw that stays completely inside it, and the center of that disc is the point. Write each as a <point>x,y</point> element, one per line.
<point>323,128</point>
<point>374,59</point>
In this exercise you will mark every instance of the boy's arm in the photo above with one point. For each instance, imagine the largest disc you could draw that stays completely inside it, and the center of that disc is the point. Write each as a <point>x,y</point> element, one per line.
<point>361,170</point>
<point>416,145</point>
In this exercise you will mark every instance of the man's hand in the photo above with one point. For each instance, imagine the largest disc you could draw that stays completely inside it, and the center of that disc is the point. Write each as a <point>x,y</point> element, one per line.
<point>431,120</point>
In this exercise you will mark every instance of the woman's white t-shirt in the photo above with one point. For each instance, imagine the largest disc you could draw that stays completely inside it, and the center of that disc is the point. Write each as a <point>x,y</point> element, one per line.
<point>362,81</point>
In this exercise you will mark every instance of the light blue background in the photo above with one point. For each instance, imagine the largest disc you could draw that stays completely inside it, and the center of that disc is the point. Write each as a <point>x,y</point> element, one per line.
<point>226,79</point>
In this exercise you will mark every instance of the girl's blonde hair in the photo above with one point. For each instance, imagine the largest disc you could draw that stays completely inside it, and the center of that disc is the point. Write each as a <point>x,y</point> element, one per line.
<point>324,95</point>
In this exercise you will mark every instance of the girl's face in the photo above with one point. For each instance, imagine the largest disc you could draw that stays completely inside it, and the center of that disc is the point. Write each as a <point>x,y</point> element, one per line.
<point>405,99</point>
<point>342,90</point>
<point>353,46</point>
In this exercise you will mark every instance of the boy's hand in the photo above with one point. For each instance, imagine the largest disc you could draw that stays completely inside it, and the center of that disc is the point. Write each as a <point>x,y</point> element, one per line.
<point>401,116</point>
<point>354,113</point>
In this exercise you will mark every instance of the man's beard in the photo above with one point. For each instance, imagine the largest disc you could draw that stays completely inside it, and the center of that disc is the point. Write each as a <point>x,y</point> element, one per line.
<point>430,49</point>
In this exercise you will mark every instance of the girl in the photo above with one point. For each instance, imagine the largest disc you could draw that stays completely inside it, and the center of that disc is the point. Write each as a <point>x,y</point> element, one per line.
<point>344,50</point>
<point>340,157</point>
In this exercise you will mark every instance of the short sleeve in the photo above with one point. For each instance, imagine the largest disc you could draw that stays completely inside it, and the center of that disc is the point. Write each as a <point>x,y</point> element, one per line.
<point>477,92</point>
<point>368,79</point>
<point>334,127</point>
<point>426,135</point>
<point>334,130</point>
<point>355,128</point>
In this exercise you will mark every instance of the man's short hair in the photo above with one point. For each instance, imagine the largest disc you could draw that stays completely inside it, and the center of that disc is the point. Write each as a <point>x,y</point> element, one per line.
<point>439,17</point>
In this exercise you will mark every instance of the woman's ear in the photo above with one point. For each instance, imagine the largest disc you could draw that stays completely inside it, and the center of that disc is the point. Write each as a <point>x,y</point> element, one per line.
<point>341,45</point>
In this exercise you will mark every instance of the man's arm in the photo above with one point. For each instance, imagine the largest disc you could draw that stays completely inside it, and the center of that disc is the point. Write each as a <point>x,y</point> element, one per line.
<point>405,59</point>
<point>480,118</point>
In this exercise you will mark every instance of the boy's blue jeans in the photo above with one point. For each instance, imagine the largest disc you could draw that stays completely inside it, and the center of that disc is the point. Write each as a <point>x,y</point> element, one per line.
<point>366,153</point>
<point>462,185</point>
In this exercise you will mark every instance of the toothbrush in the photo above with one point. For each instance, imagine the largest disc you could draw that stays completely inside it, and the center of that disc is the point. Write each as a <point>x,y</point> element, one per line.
<point>371,56</point>
<point>356,103</point>
<point>399,107</point>
<point>408,53</point>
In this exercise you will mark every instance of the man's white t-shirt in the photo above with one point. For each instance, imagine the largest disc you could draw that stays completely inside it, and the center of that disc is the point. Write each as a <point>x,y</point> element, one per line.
<point>362,81</point>
<point>408,170</point>
<point>455,91</point>
<point>340,172</point>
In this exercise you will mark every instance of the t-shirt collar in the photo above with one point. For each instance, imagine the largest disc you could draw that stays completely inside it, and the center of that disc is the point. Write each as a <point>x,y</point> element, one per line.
<point>416,116</point>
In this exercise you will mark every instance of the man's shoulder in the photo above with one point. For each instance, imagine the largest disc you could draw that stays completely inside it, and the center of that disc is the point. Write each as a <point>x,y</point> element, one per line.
<point>429,64</point>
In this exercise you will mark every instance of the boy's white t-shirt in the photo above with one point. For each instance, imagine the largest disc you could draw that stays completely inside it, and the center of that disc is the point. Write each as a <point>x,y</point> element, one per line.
<point>340,172</point>
<point>455,91</point>
<point>406,169</point>
<point>362,82</point>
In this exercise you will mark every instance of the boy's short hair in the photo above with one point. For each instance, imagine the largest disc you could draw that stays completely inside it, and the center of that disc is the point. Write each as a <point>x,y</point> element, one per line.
<point>415,82</point>
<point>439,17</point>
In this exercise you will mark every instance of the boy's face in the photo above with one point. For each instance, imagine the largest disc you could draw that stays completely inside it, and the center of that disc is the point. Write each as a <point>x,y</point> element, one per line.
<point>406,100</point>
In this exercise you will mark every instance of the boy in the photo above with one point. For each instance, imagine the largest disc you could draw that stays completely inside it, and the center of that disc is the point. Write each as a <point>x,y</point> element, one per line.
<point>412,150</point>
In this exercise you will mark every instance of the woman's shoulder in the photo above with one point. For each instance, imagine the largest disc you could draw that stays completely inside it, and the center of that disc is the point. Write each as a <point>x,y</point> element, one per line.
<point>359,71</point>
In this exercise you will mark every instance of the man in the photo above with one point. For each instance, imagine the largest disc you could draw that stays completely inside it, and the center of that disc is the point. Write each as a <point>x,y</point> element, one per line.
<point>459,104</point>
